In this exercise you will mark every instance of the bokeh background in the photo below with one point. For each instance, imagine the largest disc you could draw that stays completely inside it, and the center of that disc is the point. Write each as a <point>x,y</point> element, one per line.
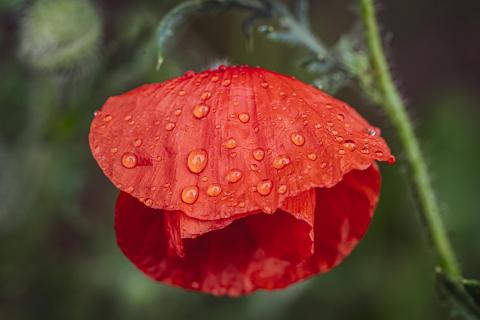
<point>58,257</point>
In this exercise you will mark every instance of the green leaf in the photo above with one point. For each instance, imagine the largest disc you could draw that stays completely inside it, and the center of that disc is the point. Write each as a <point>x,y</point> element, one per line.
<point>181,12</point>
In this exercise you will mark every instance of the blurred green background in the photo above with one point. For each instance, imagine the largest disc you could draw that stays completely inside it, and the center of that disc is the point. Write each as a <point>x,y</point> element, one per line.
<point>61,59</point>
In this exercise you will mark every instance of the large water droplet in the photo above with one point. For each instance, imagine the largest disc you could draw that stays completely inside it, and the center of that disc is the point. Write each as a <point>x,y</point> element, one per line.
<point>226,83</point>
<point>200,111</point>
<point>297,139</point>
<point>379,153</point>
<point>230,143</point>
<point>190,194</point>
<point>281,161</point>
<point>234,175</point>
<point>129,160</point>
<point>264,187</point>
<point>244,117</point>
<point>214,190</point>
<point>197,160</point>
<point>107,118</point>
<point>258,154</point>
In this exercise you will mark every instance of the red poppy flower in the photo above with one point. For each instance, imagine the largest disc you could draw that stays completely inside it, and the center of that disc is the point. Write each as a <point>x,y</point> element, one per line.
<point>237,179</point>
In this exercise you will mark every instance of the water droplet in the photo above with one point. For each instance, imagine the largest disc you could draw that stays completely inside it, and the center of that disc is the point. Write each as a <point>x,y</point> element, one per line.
<point>371,132</point>
<point>253,167</point>
<point>107,118</point>
<point>341,151</point>
<point>282,189</point>
<point>297,139</point>
<point>200,111</point>
<point>214,189</point>
<point>312,156</point>
<point>340,117</point>
<point>114,150</point>
<point>244,117</point>
<point>226,83</point>
<point>323,165</point>
<point>197,160</point>
<point>264,187</point>
<point>258,154</point>
<point>190,194</point>
<point>264,84</point>
<point>350,145</point>
<point>328,106</point>
<point>379,153</point>
<point>234,175</point>
<point>148,202</point>
<point>318,126</point>
<point>182,92</point>
<point>204,178</point>
<point>130,189</point>
<point>205,95</point>
<point>281,161</point>
<point>365,150</point>
<point>330,123</point>
<point>215,78</point>
<point>129,160</point>
<point>137,142</point>
<point>177,112</point>
<point>170,126</point>
<point>230,143</point>
<point>128,118</point>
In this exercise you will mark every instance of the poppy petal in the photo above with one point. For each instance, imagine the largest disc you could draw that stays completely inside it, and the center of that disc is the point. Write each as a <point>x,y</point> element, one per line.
<point>223,143</point>
<point>259,251</point>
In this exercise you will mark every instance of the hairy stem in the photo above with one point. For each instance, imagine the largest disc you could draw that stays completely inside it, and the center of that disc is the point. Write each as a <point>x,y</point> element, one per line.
<point>396,111</point>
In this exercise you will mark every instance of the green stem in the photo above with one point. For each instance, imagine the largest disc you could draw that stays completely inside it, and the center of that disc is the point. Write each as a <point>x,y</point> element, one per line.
<point>395,109</point>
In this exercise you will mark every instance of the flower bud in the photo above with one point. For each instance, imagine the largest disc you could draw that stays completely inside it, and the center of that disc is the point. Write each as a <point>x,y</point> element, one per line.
<point>59,34</point>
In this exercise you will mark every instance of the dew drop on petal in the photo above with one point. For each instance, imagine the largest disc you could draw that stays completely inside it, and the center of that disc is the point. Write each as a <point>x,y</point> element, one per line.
<point>215,78</point>
<point>129,160</point>
<point>190,194</point>
<point>130,189</point>
<point>107,118</point>
<point>379,153</point>
<point>148,202</point>
<point>177,112</point>
<point>244,117</point>
<point>137,142</point>
<point>170,126</point>
<point>312,156</point>
<point>264,84</point>
<point>340,117</point>
<point>349,145</point>
<point>230,143</point>
<point>282,189</point>
<point>226,83</point>
<point>128,118</point>
<point>234,175</point>
<point>341,151</point>
<point>200,111</point>
<point>281,161</point>
<point>197,160</point>
<point>214,190</point>
<point>205,95</point>
<point>264,187</point>
<point>258,154</point>
<point>114,150</point>
<point>297,139</point>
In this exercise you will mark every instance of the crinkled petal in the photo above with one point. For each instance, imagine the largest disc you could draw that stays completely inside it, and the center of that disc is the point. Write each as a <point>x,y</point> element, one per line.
<point>258,251</point>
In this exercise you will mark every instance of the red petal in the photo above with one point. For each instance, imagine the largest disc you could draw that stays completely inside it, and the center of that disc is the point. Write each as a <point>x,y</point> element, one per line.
<point>144,139</point>
<point>259,251</point>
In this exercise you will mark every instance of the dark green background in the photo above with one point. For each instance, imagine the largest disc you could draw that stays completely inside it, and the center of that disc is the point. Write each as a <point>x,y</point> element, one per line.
<point>58,258</point>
